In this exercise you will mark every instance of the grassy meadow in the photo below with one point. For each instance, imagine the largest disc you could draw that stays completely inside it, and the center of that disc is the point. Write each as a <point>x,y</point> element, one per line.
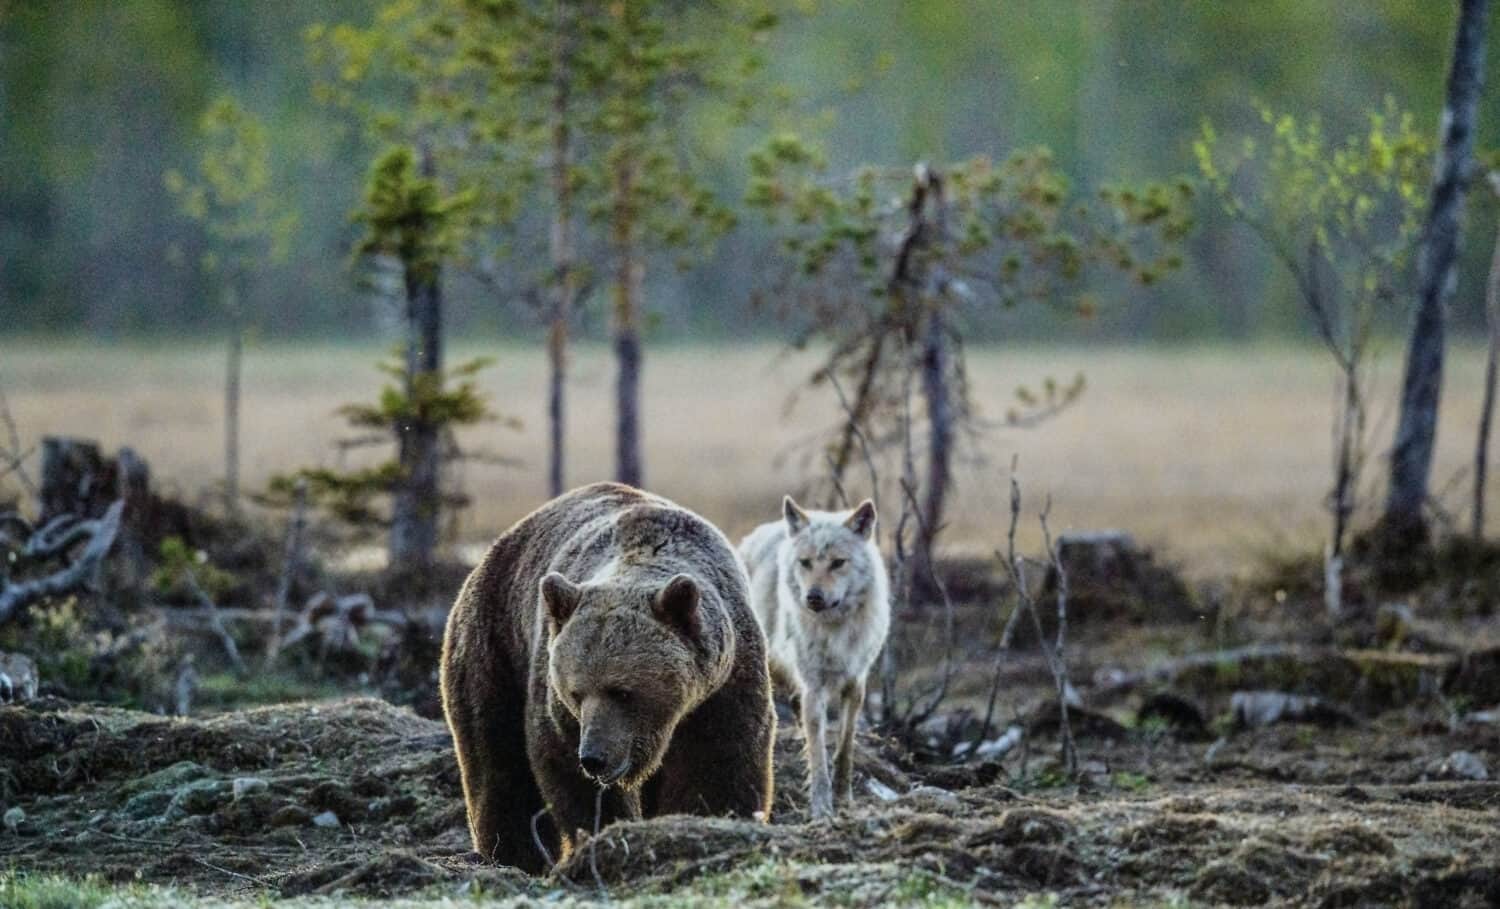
<point>1216,454</point>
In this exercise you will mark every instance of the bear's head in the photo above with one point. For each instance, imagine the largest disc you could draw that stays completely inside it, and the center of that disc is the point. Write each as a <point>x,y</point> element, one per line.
<point>830,561</point>
<point>626,664</point>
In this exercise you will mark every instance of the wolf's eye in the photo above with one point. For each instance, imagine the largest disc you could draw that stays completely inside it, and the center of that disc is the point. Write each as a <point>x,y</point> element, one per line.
<point>805,563</point>
<point>577,697</point>
<point>836,564</point>
<point>619,695</point>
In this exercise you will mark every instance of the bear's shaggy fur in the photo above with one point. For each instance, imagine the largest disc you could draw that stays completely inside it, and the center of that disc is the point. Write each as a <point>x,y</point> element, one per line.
<point>606,640</point>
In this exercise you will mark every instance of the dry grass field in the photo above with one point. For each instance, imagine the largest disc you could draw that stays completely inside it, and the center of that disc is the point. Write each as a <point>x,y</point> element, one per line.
<point>1215,454</point>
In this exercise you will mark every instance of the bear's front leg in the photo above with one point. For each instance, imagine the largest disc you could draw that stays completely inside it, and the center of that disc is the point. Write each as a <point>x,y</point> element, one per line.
<point>574,801</point>
<point>719,763</point>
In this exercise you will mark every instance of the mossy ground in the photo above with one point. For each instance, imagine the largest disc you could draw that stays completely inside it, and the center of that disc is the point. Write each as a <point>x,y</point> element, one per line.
<point>132,809</point>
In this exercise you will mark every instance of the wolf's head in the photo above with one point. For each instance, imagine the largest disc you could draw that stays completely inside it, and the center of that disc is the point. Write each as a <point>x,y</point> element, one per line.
<point>830,562</point>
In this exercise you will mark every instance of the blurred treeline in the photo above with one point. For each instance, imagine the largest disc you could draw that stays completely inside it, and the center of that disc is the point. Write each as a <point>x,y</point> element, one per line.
<point>98,98</point>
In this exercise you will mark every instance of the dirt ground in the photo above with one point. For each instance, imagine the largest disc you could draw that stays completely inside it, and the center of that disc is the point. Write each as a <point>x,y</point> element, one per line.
<point>357,798</point>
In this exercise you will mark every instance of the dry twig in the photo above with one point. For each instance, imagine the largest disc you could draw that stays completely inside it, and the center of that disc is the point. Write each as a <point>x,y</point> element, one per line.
<point>215,623</point>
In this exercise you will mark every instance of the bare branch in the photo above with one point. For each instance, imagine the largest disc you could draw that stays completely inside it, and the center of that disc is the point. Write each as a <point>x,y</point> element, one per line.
<point>920,714</point>
<point>1008,634</point>
<point>1059,663</point>
<point>853,430</point>
<point>215,623</point>
<point>16,596</point>
<point>12,457</point>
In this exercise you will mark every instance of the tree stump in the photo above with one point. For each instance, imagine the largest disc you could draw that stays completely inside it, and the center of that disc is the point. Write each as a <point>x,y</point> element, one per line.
<point>133,487</point>
<point>1112,578</point>
<point>76,479</point>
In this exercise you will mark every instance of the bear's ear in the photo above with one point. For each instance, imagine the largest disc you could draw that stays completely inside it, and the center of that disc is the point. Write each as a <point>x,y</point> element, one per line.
<point>677,605</point>
<point>796,518</point>
<point>862,521</point>
<point>560,596</point>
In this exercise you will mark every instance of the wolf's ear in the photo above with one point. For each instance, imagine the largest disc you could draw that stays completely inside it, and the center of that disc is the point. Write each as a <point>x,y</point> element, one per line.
<point>862,521</point>
<point>796,518</point>
<point>677,605</point>
<point>560,596</point>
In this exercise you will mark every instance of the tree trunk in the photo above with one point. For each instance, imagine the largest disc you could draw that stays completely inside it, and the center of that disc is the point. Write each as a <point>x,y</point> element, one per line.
<point>564,286</point>
<point>1482,449</point>
<point>1421,390</point>
<point>1491,367</point>
<point>630,273</point>
<point>855,417</point>
<point>133,487</point>
<point>418,499</point>
<point>1347,456</point>
<point>232,419</point>
<point>939,397</point>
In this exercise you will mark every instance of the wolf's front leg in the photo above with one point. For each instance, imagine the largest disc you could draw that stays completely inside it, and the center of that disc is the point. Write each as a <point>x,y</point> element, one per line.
<point>852,698</point>
<point>814,725</point>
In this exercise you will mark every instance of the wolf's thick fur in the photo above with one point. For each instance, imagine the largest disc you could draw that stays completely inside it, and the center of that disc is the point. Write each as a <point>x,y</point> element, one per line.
<point>820,592</point>
<point>605,640</point>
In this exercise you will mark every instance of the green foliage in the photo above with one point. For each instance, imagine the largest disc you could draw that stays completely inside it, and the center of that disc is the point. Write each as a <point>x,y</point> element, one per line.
<point>482,85</point>
<point>349,495</point>
<point>648,67</point>
<point>231,193</point>
<point>406,215</point>
<point>177,559</point>
<point>90,662</point>
<point>1342,216</point>
<point>448,400</point>
<point>1016,231</point>
<point>875,258</point>
<point>56,635</point>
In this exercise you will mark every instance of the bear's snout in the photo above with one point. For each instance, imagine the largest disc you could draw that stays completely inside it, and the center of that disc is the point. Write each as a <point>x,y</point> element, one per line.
<point>603,757</point>
<point>592,760</point>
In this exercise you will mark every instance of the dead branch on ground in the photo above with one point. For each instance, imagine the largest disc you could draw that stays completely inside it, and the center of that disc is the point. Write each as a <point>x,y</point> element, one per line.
<point>337,621</point>
<point>53,541</point>
<point>215,623</point>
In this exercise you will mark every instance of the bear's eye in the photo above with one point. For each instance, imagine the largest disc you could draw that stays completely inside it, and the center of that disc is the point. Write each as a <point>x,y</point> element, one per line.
<point>619,695</point>
<point>805,563</point>
<point>836,564</point>
<point>577,697</point>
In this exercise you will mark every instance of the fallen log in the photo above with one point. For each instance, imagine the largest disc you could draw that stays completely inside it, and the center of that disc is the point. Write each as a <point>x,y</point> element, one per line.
<point>1254,709</point>
<point>1368,681</point>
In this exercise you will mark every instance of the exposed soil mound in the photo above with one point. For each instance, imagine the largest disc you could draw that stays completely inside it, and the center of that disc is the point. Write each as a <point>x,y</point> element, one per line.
<point>360,797</point>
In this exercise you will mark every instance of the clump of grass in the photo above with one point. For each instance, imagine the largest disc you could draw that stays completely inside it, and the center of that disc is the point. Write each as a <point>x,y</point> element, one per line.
<point>21,890</point>
<point>226,691</point>
<point>1132,782</point>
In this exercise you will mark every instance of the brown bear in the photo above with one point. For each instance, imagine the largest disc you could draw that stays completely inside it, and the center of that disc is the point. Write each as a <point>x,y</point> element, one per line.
<point>605,642</point>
